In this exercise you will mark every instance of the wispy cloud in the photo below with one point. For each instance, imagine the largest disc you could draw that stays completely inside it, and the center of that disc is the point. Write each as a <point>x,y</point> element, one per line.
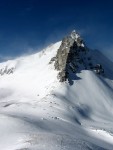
<point>5,58</point>
<point>108,51</point>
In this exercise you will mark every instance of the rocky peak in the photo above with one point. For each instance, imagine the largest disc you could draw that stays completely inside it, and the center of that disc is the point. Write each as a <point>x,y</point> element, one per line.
<point>72,56</point>
<point>74,35</point>
<point>68,54</point>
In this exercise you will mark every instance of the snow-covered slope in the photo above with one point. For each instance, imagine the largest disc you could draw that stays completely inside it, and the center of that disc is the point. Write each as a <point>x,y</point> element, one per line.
<point>37,112</point>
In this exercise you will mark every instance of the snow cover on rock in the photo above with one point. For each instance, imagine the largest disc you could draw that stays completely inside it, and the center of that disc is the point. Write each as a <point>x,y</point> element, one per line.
<point>37,112</point>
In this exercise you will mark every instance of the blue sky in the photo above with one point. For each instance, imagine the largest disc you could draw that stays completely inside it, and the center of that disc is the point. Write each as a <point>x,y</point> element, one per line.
<point>28,25</point>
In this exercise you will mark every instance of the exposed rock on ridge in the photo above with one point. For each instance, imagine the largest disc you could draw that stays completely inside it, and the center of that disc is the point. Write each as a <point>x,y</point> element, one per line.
<point>68,55</point>
<point>7,70</point>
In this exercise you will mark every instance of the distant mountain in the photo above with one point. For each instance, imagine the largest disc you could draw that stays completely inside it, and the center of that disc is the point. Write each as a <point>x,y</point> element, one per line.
<point>58,99</point>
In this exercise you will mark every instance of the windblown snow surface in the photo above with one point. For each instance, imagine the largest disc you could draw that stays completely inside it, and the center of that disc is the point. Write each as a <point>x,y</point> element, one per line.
<point>37,112</point>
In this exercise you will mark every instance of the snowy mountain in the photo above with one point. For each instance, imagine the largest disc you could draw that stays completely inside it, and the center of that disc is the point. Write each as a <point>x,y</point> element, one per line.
<point>58,99</point>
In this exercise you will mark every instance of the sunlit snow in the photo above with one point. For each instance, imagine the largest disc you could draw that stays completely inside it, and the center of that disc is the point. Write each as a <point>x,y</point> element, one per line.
<point>37,112</point>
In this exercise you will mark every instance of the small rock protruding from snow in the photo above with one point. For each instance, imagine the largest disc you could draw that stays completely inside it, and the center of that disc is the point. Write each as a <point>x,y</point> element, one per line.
<point>6,70</point>
<point>98,69</point>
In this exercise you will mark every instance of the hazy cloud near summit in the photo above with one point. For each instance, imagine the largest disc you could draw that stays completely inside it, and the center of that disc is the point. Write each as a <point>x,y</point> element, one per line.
<point>108,51</point>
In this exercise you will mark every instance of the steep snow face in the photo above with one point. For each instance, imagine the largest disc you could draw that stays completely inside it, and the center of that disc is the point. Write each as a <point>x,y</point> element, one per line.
<point>37,112</point>
<point>31,76</point>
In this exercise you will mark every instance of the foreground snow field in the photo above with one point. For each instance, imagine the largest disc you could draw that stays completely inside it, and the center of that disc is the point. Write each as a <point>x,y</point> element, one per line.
<point>37,112</point>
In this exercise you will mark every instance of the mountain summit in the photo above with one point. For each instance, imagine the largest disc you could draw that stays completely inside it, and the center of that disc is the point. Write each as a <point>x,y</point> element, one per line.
<point>73,56</point>
<point>37,112</point>
<point>68,53</point>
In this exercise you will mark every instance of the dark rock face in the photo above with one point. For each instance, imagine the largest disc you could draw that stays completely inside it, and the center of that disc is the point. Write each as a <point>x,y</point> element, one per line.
<point>72,57</point>
<point>98,69</point>
<point>68,55</point>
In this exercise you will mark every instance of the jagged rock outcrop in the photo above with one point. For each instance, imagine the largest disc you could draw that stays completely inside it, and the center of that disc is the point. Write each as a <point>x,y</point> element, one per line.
<point>74,56</point>
<point>69,54</point>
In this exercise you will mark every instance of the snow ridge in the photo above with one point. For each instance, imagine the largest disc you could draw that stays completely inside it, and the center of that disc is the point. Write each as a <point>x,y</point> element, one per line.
<point>37,112</point>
